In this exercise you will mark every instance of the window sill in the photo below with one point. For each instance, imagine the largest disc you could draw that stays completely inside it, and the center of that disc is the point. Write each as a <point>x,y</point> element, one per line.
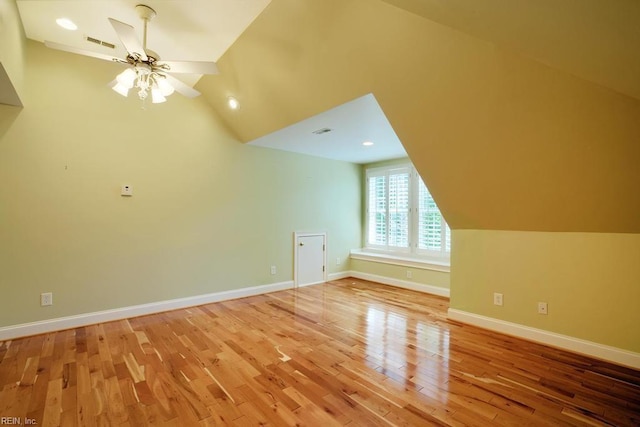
<point>403,260</point>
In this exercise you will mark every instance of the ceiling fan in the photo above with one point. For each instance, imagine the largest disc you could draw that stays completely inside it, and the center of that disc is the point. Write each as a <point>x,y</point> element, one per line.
<point>146,72</point>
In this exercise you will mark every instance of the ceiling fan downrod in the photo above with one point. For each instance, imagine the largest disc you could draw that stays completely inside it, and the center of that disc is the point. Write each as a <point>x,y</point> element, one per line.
<point>146,14</point>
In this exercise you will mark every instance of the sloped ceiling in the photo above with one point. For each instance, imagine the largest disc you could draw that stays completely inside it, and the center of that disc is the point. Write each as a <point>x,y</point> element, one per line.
<point>504,141</point>
<point>596,40</point>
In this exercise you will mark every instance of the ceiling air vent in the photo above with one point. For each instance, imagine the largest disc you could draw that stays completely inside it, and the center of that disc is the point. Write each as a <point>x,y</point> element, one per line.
<point>321,131</point>
<point>100,42</point>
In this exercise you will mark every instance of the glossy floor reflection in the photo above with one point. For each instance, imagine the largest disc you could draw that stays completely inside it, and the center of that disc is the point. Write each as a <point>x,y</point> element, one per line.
<point>348,352</point>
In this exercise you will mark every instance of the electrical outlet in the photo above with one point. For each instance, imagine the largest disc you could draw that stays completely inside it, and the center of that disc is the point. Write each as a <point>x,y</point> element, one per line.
<point>542,308</point>
<point>274,270</point>
<point>338,261</point>
<point>497,298</point>
<point>409,274</point>
<point>46,299</point>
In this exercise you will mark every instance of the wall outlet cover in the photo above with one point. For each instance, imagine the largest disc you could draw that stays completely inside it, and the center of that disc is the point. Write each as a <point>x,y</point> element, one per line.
<point>497,299</point>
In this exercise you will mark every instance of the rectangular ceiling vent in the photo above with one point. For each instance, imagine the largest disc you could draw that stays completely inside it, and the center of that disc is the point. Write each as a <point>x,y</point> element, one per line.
<point>100,42</point>
<point>321,131</point>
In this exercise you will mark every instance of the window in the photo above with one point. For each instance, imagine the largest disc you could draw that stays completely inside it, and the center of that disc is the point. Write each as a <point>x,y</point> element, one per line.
<point>402,217</point>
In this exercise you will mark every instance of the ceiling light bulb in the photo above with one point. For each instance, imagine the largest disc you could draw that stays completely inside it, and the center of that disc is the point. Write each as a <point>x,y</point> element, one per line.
<point>233,103</point>
<point>122,90</point>
<point>367,143</point>
<point>67,24</point>
<point>156,96</point>
<point>126,78</point>
<point>165,87</point>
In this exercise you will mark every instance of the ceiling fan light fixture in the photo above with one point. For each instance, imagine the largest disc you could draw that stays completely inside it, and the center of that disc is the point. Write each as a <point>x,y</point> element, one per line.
<point>156,96</point>
<point>127,78</point>
<point>145,73</point>
<point>164,86</point>
<point>122,90</point>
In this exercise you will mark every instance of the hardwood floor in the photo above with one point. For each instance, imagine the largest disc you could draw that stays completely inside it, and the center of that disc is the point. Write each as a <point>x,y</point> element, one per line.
<point>347,352</point>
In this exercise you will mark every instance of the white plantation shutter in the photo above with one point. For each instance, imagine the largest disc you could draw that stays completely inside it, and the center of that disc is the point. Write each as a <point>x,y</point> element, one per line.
<point>399,209</point>
<point>388,192</point>
<point>377,210</point>
<point>402,216</point>
<point>434,234</point>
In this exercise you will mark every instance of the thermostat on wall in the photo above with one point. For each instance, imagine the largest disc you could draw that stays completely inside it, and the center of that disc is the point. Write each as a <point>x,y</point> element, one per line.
<point>127,190</point>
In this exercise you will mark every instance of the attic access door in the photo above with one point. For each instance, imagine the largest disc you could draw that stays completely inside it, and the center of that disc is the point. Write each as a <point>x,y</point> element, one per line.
<point>310,258</point>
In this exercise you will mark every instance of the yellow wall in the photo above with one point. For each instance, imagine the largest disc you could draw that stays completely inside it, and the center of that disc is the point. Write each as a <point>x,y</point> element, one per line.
<point>208,213</point>
<point>591,281</point>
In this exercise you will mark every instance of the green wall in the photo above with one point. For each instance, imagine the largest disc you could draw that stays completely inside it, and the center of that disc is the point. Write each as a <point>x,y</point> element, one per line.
<point>208,213</point>
<point>398,272</point>
<point>591,281</point>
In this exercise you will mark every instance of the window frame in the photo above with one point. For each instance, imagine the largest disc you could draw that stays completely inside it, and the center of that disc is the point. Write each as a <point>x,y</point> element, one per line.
<point>413,249</point>
<point>386,172</point>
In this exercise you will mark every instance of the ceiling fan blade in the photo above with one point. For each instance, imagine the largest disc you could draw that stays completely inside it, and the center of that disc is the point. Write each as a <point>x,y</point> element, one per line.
<point>72,49</point>
<point>127,35</point>
<point>191,67</point>
<point>182,88</point>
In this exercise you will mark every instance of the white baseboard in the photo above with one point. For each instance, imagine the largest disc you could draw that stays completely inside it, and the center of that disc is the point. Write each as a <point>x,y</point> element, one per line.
<point>61,323</point>
<point>340,275</point>
<point>565,342</point>
<point>429,289</point>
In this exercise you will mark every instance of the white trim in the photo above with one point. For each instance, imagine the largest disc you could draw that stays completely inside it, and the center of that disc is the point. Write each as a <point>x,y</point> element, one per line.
<point>310,284</point>
<point>68,322</point>
<point>413,286</point>
<point>298,234</point>
<point>339,275</point>
<point>565,342</point>
<point>405,261</point>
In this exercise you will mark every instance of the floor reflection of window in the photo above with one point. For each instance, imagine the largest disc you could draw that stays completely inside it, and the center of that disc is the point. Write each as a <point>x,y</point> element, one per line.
<point>407,349</point>
<point>433,370</point>
<point>387,341</point>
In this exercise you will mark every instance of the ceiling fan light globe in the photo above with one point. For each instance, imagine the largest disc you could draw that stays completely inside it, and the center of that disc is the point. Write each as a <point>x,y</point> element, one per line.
<point>156,96</point>
<point>121,89</point>
<point>127,78</point>
<point>165,87</point>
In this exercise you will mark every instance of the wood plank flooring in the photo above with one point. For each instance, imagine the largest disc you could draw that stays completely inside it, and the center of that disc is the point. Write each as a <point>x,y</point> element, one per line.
<point>347,352</point>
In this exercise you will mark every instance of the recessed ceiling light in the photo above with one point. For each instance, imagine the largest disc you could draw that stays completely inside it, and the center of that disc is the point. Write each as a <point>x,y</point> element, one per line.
<point>67,24</point>
<point>233,103</point>
<point>367,143</point>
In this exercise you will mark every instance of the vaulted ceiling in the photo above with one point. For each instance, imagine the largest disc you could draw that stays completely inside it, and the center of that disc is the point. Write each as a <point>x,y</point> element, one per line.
<point>519,115</point>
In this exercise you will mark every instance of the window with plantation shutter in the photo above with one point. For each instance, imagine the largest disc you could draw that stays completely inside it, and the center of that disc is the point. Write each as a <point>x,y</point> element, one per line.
<point>388,195</point>
<point>402,216</point>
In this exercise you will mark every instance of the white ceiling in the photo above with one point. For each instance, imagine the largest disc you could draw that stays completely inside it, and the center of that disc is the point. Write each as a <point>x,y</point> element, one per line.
<point>351,124</point>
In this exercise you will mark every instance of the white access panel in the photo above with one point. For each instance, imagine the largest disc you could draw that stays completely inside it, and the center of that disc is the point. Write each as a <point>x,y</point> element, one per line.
<point>310,258</point>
